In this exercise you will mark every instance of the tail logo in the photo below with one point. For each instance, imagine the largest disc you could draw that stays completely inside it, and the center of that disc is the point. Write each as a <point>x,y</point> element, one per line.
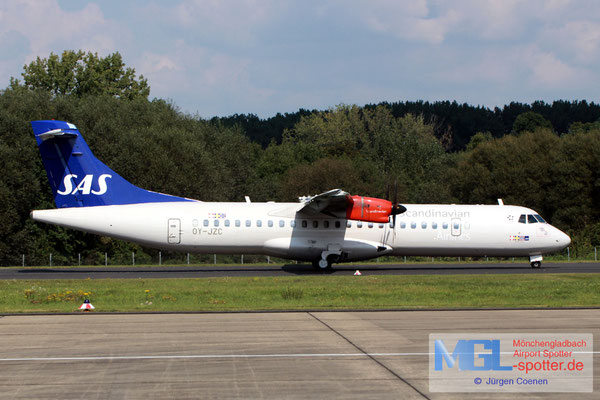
<point>85,186</point>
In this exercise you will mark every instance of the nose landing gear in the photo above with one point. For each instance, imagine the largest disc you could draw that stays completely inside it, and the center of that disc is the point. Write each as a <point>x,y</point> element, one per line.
<point>536,261</point>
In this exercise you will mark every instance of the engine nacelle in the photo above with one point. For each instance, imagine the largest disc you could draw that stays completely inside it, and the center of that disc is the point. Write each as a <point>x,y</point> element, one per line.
<point>368,209</point>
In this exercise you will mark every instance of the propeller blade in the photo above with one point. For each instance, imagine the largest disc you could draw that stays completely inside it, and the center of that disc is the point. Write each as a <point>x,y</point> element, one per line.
<point>395,202</point>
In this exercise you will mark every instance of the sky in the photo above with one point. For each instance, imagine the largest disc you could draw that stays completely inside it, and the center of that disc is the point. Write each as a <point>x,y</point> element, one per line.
<point>224,57</point>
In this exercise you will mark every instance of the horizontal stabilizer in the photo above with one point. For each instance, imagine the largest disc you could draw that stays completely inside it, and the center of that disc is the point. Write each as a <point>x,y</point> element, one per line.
<point>57,133</point>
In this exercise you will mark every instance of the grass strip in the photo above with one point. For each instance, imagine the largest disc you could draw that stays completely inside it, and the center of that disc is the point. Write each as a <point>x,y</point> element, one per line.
<point>300,293</point>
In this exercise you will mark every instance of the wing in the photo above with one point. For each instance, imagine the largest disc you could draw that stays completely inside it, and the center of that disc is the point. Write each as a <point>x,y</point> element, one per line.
<point>333,203</point>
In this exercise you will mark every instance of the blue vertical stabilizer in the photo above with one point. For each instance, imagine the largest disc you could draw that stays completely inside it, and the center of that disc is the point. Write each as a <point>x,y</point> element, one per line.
<point>77,177</point>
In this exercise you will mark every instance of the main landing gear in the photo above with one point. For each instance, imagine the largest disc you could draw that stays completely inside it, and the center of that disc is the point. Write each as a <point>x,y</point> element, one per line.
<point>324,264</point>
<point>321,264</point>
<point>328,257</point>
<point>536,261</point>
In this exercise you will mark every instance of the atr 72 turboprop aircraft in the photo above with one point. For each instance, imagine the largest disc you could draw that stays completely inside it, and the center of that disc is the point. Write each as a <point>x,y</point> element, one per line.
<point>331,227</point>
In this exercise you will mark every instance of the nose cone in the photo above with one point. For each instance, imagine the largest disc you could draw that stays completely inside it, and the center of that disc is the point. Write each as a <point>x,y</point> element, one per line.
<point>562,239</point>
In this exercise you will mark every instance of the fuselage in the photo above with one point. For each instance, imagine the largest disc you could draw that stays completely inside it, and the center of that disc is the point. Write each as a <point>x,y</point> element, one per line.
<point>327,228</point>
<point>277,229</point>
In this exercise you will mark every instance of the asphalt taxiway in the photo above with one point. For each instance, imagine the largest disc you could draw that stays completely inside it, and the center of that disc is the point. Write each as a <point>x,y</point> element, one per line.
<point>291,269</point>
<point>350,355</point>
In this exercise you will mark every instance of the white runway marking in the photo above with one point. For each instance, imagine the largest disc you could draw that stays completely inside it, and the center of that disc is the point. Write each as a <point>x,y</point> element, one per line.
<point>191,356</point>
<point>216,356</point>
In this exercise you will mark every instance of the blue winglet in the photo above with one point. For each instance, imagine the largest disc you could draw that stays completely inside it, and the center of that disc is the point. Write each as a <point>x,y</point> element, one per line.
<point>77,177</point>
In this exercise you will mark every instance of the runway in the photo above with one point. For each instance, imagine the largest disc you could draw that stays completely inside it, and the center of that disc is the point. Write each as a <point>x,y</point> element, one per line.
<point>291,269</point>
<point>350,355</point>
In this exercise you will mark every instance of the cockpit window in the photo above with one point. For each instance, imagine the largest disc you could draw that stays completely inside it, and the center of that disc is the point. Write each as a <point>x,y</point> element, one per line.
<point>531,219</point>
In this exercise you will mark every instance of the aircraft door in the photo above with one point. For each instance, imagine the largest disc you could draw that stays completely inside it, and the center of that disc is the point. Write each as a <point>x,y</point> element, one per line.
<point>455,226</point>
<point>174,231</point>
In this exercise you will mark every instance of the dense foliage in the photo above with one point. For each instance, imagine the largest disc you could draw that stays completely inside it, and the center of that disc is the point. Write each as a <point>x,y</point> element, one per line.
<point>454,124</point>
<point>79,74</point>
<point>547,158</point>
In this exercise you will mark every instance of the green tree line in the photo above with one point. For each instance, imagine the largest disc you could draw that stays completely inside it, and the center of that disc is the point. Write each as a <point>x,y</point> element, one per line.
<point>455,124</point>
<point>359,149</point>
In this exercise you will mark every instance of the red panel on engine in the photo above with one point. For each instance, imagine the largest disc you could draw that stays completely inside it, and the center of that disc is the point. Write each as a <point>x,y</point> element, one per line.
<point>368,209</point>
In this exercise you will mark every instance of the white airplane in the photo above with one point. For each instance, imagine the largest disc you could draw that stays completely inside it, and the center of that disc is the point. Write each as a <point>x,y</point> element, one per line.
<point>332,227</point>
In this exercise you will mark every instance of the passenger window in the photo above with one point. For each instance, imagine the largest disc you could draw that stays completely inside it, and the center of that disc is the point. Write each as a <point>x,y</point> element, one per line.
<point>456,225</point>
<point>205,222</point>
<point>359,224</point>
<point>281,223</point>
<point>315,224</point>
<point>226,222</point>
<point>238,223</point>
<point>380,226</point>
<point>423,225</point>
<point>402,225</point>
<point>325,224</point>
<point>304,223</point>
<point>216,222</point>
<point>270,223</point>
<point>349,224</point>
<point>370,225</point>
<point>248,223</point>
<point>434,225</point>
<point>539,218</point>
<point>522,219</point>
<point>531,219</point>
<point>337,224</point>
<point>445,225</point>
<point>413,225</point>
<point>293,223</point>
<point>258,223</point>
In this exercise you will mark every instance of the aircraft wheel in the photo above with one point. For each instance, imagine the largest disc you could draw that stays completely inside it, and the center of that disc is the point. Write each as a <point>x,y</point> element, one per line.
<point>321,264</point>
<point>536,264</point>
